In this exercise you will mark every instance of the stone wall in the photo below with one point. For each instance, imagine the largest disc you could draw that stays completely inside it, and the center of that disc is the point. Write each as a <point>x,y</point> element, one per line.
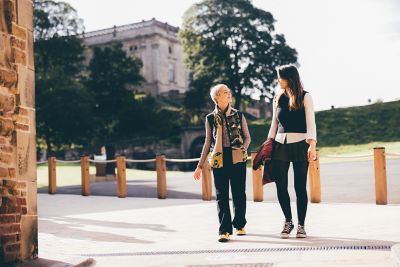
<point>18,210</point>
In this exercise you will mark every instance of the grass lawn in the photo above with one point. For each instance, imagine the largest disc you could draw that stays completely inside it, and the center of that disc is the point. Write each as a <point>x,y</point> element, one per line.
<point>356,150</point>
<point>70,174</point>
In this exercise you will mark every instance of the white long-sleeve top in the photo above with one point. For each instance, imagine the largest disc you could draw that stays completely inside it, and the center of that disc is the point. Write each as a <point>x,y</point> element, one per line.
<point>295,137</point>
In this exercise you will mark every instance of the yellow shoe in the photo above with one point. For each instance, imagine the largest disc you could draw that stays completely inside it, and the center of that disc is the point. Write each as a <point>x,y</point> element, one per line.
<point>240,231</point>
<point>223,237</point>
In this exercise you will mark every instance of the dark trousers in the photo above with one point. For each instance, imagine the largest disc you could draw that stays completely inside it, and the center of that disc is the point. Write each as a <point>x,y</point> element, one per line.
<point>300,168</point>
<point>235,174</point>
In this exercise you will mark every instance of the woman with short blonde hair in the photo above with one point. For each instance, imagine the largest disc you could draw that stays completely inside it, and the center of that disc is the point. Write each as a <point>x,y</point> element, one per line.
<point>227,138</point>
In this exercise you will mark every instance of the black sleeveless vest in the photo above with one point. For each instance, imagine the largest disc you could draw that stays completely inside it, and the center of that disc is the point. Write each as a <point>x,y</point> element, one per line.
<point>290,121</point>
<point>230,127</point>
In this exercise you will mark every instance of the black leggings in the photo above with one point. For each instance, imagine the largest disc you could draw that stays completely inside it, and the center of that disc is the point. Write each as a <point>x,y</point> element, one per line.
<point>300,168</point>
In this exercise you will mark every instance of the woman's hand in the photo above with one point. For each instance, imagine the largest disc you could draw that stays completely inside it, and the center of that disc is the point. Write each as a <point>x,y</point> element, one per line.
<point>197,173</point>
<point>312,151</point>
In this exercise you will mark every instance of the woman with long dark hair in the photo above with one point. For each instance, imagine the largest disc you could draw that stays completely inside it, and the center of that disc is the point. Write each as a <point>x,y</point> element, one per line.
<point>227,138</point>
<point>294,130</point>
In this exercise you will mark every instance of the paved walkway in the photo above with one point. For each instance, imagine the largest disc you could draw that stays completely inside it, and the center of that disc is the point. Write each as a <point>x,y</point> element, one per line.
<point>183,232</point>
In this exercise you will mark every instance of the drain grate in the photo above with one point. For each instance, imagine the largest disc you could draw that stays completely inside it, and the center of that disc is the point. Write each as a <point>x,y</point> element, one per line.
<point>244,250</point>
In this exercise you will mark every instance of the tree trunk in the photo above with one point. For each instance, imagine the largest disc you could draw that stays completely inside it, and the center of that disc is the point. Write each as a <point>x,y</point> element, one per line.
<point>236,81</point>
<point>48,144</point>
<point>238,99</point>
<point>110,154</point>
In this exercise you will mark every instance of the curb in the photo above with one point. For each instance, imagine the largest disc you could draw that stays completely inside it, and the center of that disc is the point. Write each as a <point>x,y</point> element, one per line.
<point>395,253</point>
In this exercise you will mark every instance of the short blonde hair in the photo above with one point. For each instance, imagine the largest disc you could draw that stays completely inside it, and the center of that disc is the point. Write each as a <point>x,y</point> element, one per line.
<point>214,91</point>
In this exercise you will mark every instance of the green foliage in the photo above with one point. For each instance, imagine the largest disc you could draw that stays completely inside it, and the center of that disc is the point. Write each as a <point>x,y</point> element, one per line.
<point>258,132</point>
<point>112,76</point>
<point>55,18</point>
<point>64,116</point>
<point>99,108</point>
<point>231,42</point>
<point>59,58</point>
<point>359,125</point>
<point>61,100</point>
<point>119,113</point>
<point>378,122</point>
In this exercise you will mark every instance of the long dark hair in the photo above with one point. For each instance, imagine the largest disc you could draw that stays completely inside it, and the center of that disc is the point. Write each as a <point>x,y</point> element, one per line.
<point>295,87</point>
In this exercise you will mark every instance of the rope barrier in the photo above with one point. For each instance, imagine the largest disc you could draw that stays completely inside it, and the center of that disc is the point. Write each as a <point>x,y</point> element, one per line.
<point>102,161</point>
<point>393,154</point>
<point>140,160</point>
<point>189,160</point>
<point>197,159</point>
<point>357,156</point>
<point>182,160</point>
<point>346,157</point>
<point>68,161</point>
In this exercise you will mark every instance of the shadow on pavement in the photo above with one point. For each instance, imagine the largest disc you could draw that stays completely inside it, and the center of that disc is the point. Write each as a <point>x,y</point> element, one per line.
<point>77,227</point>
<point>314,241</point>
<point>40,262</point>
<point>133,189</point>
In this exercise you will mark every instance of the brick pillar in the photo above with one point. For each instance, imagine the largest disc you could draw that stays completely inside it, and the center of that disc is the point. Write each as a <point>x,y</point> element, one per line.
<point>18,211</point>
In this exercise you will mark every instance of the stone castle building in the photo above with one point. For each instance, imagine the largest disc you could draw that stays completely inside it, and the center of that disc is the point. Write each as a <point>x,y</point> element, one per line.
<point>156,44</point>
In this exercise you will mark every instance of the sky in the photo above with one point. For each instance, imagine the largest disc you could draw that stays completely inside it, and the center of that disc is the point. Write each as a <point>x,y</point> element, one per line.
<point>349,50</point>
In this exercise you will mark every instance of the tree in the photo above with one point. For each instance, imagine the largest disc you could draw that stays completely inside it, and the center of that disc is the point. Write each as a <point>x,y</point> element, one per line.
<point>64,116</point>
<point>112,76</point>
<point>232,42</point>
<point>55,18</point>
<point>63,105</point>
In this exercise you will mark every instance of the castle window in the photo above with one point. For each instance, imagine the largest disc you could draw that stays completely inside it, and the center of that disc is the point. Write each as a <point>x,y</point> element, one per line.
<point>170,49</point>
<point>171,72</point>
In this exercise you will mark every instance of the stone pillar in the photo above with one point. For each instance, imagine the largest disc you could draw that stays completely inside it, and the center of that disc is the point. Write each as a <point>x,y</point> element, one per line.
<point>18,203</point>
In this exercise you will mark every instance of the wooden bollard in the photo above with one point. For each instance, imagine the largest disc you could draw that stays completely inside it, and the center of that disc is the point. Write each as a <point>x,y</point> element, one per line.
<point>315,180</point>
<point>206,186</point>
<point>380,175</point>
<point>52,175</point>
<point>258,192</point>
<point>121,177</point>
<point>161,167</point>
<point>85,176</point>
